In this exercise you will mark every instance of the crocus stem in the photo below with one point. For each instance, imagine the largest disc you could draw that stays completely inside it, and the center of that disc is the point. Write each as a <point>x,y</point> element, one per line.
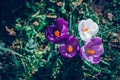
<point>60,61</point>
<point>51,53</point>
<point>49,57</point>
<point>70,23</point>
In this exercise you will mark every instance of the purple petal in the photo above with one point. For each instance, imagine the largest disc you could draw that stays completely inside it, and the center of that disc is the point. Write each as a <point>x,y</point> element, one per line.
<point>78,48</point>
<point>88,44</point>
<point>70,40</point>
<point>93,42</point>
<point>73,41</point>
<point>98,50</point>
<point>83,54</point>
<point>49,34</point>
<point>62,26</point>
<point>72,54</point>
<point>65,53</point>
<point>63,34</point>
<point>63,49</point>
<point>64,30</point>
<point>60,22</point>
<point>96,41</point>
<point>70,37</point>
<point>95,60</point>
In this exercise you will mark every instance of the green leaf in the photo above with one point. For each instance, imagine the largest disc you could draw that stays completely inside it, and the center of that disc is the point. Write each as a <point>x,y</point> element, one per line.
<point>27,4</point>
<point>91,66</point>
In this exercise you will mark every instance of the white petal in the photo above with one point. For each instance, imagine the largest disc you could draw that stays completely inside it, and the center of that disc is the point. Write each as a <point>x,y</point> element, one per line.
<point>89,21</point>
<point>85,36</point>
<point>92,29</point>
<point>92,32</point>
<point>81,25</point>
<point>91,24</point>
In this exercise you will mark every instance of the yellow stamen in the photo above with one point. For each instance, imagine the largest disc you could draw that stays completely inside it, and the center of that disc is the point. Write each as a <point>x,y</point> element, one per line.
<point>91,52</point>
<point>86,29</point>
<point>70,48</point>
<point>57,33</point>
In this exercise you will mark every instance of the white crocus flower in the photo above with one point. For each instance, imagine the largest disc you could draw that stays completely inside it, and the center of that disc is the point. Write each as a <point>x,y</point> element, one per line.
<point>87,28</point>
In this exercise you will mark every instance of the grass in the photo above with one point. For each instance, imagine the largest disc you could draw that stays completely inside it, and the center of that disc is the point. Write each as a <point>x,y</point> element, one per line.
<point>25,54</point>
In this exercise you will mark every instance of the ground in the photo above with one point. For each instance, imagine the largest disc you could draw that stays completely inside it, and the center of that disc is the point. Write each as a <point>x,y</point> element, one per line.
<point>26,54</point>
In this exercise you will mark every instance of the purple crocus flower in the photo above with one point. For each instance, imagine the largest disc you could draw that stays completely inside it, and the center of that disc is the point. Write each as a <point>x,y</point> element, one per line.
<point>70,48</point>
<point>58,32</point>
<point>92,50</point>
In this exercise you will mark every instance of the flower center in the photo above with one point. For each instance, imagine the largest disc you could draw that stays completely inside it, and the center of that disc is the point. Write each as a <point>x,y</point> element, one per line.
<point>91,52</point>
<point>85,29</point>
<point>70,48</point>
<point>57,33</point>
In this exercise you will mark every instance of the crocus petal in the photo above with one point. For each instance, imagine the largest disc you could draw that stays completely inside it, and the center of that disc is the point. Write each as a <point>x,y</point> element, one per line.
<point>92,29</point>
<point>64,53</point>
<point>64,48</point>
<point>60,22</point>
<point>89,21</point>
<point>70,37</point>
<point>69,55</point>
<point>61,26</point>
<point>64,32</point>
<point>95,60</point>
<point>92,26</point>
<point>98,50</point>
<point>81,25</point>
<point>93,44</point>
<point>85,36</point>
<point>73,54</point>
<point>63,35</point>
<point>49,34</point>
<point>64,29</point>
<point>73,41</point>
<point>96,41</point>
<point>90,59</point>
<point>83,54</point>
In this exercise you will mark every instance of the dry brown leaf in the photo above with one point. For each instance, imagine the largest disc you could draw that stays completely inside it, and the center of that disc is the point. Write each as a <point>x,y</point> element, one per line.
<point>103,20</point>
<point>115,34</point>
<point>17,44</point>
<point>10,31</point>
<point>36,23</point>
<point>110,16</point>
<point>59,3</point>
<point>86,6</point>
<point>97,9</point>
<point>77,3</point>
<point>51,16</point>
